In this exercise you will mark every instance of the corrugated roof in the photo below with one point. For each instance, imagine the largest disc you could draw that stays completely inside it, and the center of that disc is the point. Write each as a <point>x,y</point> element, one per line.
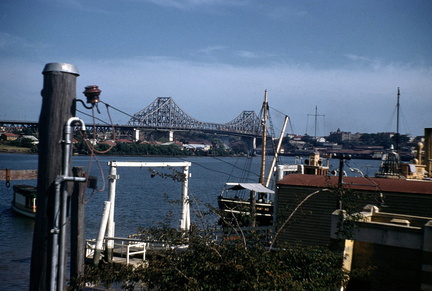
<point>360,183</point>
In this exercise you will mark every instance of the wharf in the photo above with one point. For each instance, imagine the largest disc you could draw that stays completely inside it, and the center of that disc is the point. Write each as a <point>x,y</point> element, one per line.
<point>130,251</point>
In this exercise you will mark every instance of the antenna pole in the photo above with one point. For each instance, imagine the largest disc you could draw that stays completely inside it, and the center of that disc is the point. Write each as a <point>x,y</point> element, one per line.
<point>397,120</point>
<point>316,121</point>
<point>316,117</point>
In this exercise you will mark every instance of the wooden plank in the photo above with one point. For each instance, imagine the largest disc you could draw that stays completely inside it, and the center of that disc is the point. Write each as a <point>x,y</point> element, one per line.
<point>11,175</point>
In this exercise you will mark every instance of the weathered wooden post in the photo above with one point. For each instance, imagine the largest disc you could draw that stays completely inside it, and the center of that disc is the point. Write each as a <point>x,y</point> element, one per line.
<point>77,244</point>
<point>58,93</point>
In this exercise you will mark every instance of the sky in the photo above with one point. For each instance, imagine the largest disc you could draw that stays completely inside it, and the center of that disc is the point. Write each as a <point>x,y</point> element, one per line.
<point>341,59</point>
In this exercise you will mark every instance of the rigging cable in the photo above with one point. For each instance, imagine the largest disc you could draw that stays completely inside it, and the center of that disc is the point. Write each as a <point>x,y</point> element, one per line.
<point>108,105</point>
<point>93,150</point>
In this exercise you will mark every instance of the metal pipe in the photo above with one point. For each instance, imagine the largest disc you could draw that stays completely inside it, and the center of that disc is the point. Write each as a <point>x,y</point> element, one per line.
<point>56,228</point>
<point>185,215</point>
<point>55,231</point>
<point>272,167</point>
<point>60,211</point>
<point>102,229</point>
<point>110,228</point>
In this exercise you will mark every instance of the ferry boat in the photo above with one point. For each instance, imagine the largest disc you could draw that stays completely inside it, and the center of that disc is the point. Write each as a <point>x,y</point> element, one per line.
<point>24,200</point>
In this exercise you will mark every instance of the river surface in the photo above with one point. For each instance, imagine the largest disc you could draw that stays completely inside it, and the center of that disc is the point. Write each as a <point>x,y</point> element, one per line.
<point>141,201</point>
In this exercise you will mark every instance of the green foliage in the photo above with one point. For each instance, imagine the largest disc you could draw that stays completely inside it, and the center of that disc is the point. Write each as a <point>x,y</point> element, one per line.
<point>238,260</point>
<point>22,142</point>
<point>376,139</point>
<point>351,208</point>
<point>239,147</point>
<point>226,264</point>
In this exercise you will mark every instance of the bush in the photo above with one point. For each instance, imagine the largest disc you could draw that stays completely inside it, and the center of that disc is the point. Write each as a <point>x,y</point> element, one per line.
<point>228,264</point>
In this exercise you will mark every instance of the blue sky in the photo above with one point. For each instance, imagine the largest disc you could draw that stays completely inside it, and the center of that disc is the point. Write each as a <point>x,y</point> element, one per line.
<point>216,58</point>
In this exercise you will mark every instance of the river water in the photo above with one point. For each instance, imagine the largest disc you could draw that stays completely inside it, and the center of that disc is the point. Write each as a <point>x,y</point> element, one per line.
<point>141,201</point>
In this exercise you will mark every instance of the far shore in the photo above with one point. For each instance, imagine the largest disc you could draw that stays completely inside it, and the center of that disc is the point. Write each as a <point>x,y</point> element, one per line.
<point>7,149</point>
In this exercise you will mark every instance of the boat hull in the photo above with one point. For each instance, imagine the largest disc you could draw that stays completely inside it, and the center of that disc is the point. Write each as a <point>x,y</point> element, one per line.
<point>24,200</point>
<point>237,211</point>
<point>24,212</point>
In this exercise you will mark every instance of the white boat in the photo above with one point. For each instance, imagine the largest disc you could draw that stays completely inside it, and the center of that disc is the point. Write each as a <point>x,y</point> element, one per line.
<point>24,200</point>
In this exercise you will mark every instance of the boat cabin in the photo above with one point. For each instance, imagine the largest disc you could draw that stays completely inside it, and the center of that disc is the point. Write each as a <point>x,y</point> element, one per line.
<point>24,200</point>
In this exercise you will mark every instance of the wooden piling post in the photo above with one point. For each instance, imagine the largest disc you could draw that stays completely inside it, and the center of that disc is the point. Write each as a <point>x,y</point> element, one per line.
<point>59,91</point>
<point>77,244</point>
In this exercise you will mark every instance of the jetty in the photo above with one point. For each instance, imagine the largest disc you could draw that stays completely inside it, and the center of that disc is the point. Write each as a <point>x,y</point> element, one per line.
<point>126,249</point>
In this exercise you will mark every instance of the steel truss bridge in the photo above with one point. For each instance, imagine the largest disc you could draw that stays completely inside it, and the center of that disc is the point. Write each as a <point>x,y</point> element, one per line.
<point>163,114</point>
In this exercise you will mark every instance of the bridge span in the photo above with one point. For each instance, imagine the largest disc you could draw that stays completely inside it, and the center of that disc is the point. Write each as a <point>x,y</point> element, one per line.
<point>163,114</point>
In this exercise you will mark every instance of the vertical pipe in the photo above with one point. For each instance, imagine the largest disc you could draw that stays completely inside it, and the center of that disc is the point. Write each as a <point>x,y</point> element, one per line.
<point>64,202</point>
<point>272,167</point>
<point>185,218</point>
<point>101,235</point>
<point>55,236</point>
<point>67,152</point>
<point>111,198</point>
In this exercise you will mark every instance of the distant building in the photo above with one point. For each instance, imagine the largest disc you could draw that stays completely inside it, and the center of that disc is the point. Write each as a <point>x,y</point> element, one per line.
<point>9,136</point>
<point>341,136</point>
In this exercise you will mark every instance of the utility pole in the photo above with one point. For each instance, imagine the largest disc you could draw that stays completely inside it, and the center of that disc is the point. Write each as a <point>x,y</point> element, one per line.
<point>316,121</point>
<point>341,158</point>
<point>58,94</point>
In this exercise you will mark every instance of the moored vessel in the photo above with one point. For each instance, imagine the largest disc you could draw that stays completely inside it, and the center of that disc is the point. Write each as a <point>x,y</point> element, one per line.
<point>24,200</point>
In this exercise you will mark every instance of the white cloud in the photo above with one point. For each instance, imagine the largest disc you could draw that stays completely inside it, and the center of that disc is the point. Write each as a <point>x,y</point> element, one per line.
<point>282,12</point>
<point>211,49</point>
<point>191,4</point>
<point>247,54</point>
